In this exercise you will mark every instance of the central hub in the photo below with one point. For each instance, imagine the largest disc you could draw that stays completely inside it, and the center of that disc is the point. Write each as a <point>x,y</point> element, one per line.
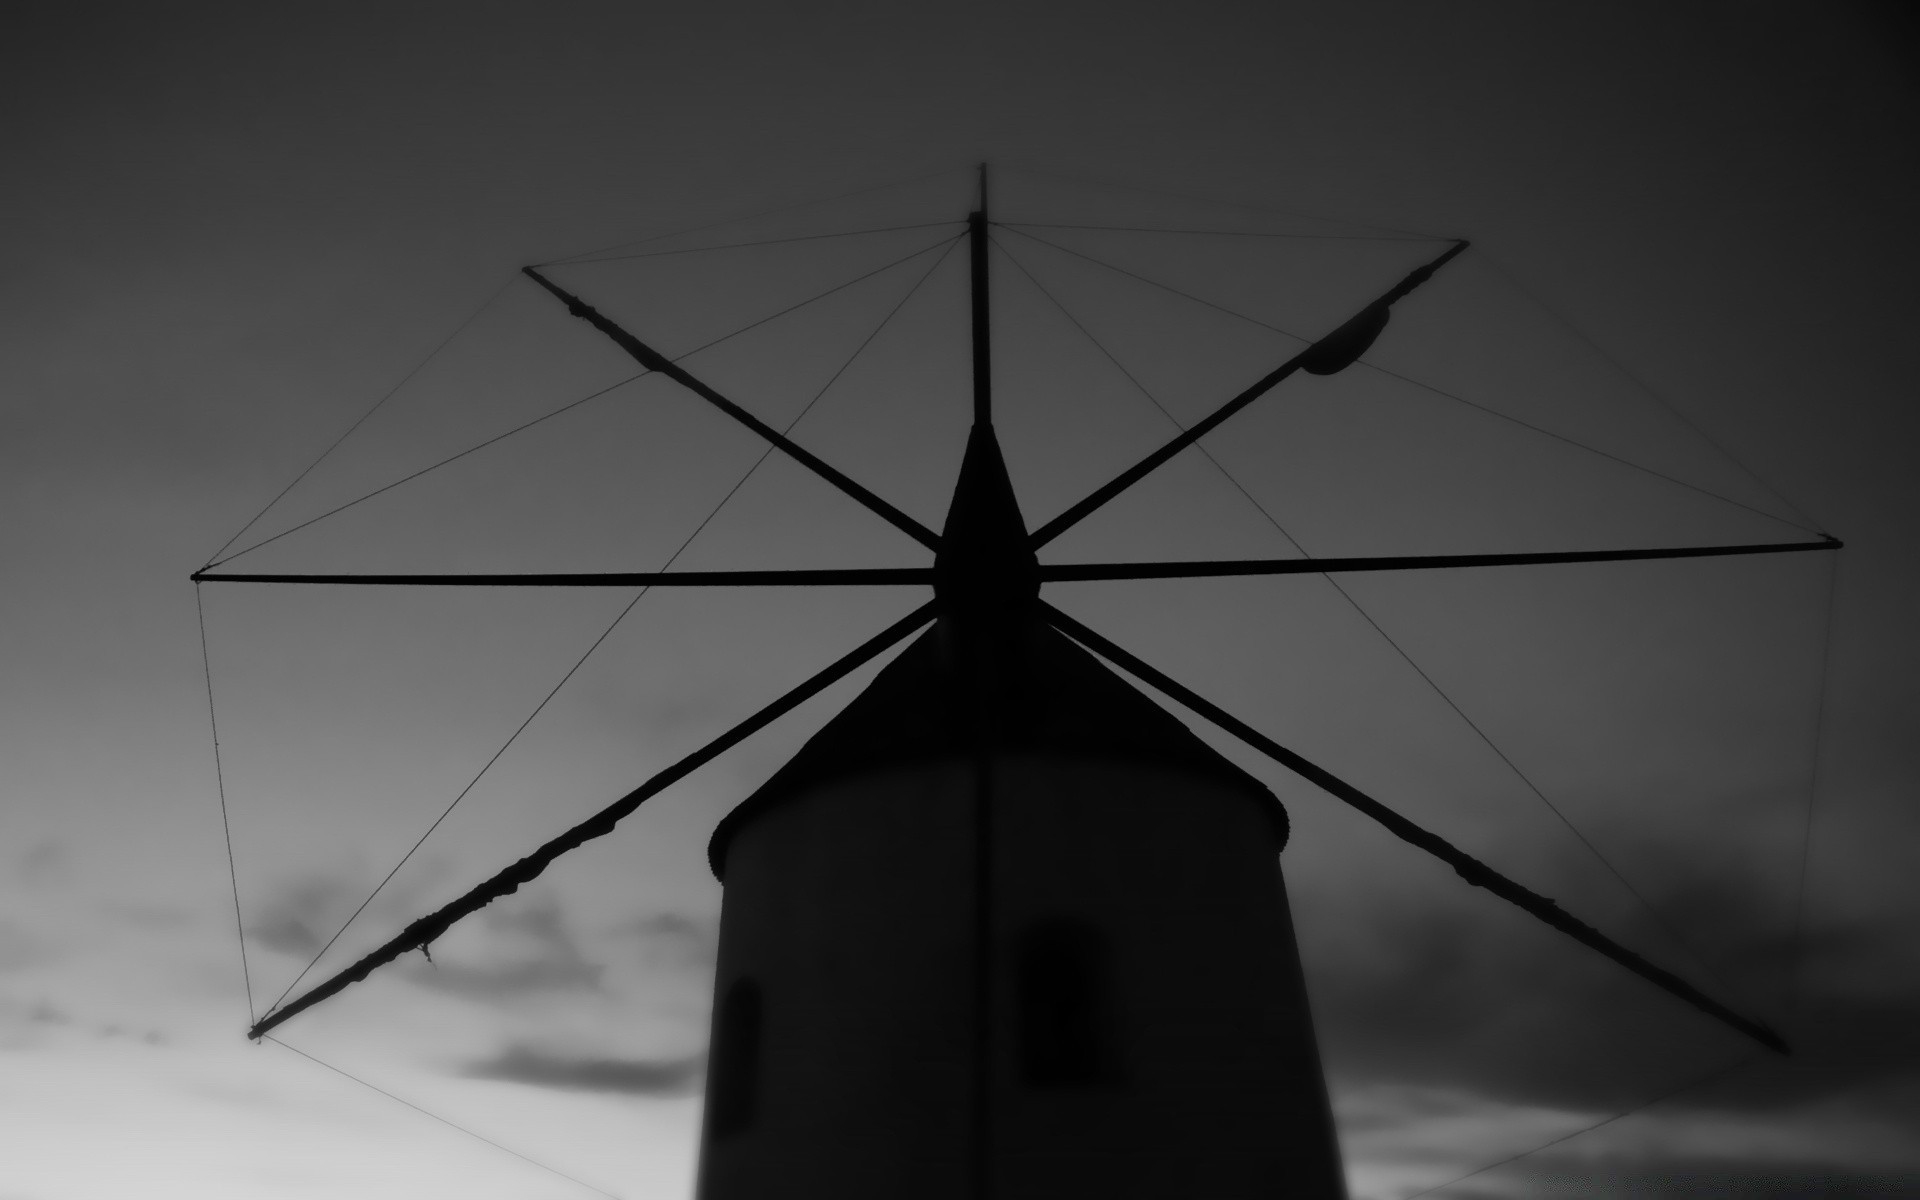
<point>985,572</point>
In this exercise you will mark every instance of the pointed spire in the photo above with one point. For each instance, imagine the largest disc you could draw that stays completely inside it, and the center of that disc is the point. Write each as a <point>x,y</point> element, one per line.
<point>984,571</point>
<point>984,568</point>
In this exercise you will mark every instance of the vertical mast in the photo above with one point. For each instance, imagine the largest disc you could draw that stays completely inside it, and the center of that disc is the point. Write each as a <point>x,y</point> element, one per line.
<point>980,1182</point>
<point>982,351</point>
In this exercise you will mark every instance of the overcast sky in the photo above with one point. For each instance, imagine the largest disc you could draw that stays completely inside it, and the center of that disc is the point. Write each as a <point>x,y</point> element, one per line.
<point>229,231</point>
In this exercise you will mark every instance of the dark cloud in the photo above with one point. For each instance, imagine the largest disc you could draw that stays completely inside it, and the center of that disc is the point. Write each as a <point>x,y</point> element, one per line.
<point>1698,1177</point>
<point>45,862</point>
<point>667,924</point>
<point>300,917</point>
<point>524,946</point>
<point>39,1011</point>
<point>26,1025</point>
<point>527,950</point>
<point>1470,1191</point>
<point>1469,994</point>
<point>1674,1148</point>
<point>628,1076</point>
<point>670,941</point>
<point>1394,1108</point>
<point>300,913</point>
<point>113,1031</point>
<point>31,1020</point>
<point>20,948</point>
<point>149,916</point>
<point>502,982</point>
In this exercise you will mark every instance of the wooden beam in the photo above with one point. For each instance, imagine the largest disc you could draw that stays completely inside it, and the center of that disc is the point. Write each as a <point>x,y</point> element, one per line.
<point>1206,568</point>
<point>1469,868</point>
<point>653,360</point>
<point>832,577</point>
<point>1318,357</point>
<point>424,931</point>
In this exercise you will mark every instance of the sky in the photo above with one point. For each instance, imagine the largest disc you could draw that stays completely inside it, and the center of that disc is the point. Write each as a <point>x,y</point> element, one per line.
<point>230,230</point>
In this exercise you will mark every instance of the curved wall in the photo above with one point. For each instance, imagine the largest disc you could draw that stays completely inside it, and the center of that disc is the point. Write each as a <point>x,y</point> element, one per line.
<point>1149,1032</point>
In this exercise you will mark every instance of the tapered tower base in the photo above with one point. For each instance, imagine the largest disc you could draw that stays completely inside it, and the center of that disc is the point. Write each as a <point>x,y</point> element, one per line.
<point>1050,956</point>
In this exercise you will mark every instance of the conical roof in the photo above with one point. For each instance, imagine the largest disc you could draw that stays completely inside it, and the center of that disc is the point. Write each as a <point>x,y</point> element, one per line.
<point>1028,690</point>
<point>990,676</point>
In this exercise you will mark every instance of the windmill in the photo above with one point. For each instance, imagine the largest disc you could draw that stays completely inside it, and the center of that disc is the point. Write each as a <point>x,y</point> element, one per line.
<point>992,1038</point>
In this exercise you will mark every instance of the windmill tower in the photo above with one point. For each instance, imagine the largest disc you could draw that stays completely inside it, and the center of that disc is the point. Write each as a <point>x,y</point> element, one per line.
<point>1005,927</point>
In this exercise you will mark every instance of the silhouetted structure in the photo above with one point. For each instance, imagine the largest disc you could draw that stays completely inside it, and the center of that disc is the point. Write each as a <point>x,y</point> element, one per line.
<point>1005,928</point>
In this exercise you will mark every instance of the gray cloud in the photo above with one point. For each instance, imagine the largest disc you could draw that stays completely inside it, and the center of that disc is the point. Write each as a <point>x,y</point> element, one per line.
<point>1682,1147</point>
<point>529,951</point>
<point>26,1025</point>
<point>528,948</point>
<point>627,1076</point>
<point>45,862</point>
<point>297,919</point>
<point>152,917</point>
<point>502,982</point>
<point>669,941</point>
<point>41,1011</point>
<point>1694,1177</point>
<point>20,948</point>
<point>1393,1108</point>
<point>1466,995</point>
<point>300,912</point>
<point>113,1031</point>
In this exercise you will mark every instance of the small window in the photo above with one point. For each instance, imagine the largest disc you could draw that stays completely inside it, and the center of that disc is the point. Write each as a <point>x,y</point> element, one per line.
<point>735,1074</point>
<point>1064,989</point>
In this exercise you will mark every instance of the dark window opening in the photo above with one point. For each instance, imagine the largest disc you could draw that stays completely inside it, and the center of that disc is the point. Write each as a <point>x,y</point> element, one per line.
<point>734,1076</point>
<point>1064,991</point>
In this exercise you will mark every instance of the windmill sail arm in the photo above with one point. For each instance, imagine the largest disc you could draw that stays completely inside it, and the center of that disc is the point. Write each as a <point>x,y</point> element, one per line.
<point>1469,868</point>
<point>1331,353</point>
<point>828,577</point>
<point>1200,568</point>
<point>653,360</point>
<point>425,930</point>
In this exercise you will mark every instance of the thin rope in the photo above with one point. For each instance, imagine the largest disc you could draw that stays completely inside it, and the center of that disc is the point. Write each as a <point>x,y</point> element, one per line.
<point>671,559</point>
<point>564,408</point>
<point>779,241</point>
<point>1579,445</point>
<point>882,269</point>
<point>1667,926</point>
<point>1795,941</point>
<point>1671,931</point>
<point>1111,185</point>
<point>471,784</point>
<point>1438,391</point>
<point>1165,287</point>
<point>592,396</point>
<point>444,1121</point>
<point>365,416</point>
<point>861,348</point>
<point>1690,1085</point>
<point>1250,233</point>
<point>757,214</point>
<point>1672,409</point>
<point>220,785</point>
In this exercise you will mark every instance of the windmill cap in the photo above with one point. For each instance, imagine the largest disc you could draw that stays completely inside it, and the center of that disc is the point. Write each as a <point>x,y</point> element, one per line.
<point>1040,694</point>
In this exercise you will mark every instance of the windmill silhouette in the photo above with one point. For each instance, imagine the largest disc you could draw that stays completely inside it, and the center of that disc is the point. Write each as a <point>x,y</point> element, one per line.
<point>970,794</point>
